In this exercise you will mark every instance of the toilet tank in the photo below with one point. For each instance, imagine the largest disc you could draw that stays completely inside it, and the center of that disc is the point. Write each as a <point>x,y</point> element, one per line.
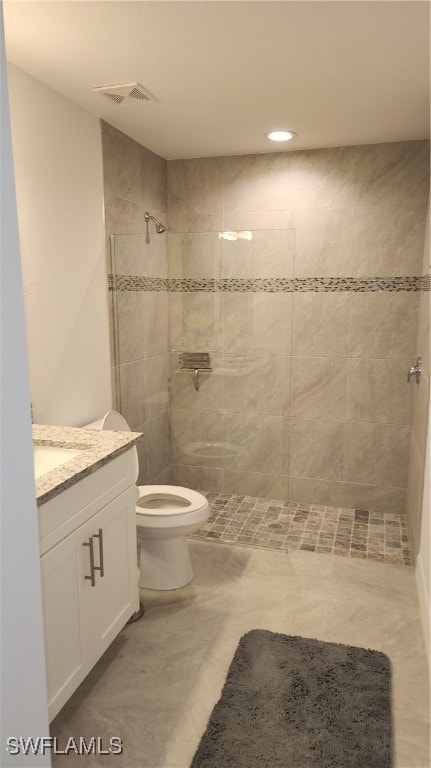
<point>111,420</point>
<point>117,423</point>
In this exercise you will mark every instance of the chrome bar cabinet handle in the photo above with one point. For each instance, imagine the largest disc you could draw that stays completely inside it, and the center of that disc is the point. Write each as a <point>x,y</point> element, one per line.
<point>92,576</point>
<point>100,567</point>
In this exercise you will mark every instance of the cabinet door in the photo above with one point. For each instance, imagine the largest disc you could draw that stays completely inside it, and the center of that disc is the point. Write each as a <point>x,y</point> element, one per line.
<point>66,646</point>
<point>108,604</point>
<point>82,615</point>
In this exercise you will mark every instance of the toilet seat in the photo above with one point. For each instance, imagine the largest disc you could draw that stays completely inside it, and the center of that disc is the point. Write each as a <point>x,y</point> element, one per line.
<point>180,509</point>
<point>174,499</point>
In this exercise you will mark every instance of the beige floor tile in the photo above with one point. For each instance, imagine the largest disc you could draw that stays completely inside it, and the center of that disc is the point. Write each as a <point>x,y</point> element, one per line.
<point>411,693</point>
<point>296,563</point>
<point>412,750</point>
<point>396,632</point>
<point>378,585</point>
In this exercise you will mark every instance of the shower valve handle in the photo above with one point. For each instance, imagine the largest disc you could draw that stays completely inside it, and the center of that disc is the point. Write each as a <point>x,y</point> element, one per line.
<point>415,370</point>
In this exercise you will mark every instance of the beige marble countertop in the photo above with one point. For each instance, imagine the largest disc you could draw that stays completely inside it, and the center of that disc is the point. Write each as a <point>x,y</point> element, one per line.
<point>96,448</point>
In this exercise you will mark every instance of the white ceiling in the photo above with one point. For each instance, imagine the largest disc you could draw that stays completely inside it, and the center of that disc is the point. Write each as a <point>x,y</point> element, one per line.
<point>225,73</point>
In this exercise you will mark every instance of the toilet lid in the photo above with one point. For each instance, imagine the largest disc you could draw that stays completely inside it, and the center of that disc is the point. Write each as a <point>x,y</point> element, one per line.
<point>115,421</point>
<point>168,500</point>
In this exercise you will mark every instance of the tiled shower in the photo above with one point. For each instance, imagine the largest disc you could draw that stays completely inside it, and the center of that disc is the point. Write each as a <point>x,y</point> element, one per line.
<point>301,274</point>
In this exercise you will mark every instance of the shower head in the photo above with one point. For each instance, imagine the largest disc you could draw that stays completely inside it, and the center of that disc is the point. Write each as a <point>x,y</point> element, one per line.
<point>159,226</point>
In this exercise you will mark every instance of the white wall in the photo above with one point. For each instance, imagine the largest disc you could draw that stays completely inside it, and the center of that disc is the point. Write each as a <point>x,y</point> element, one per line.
<point>24,710</point>
<point>59,182</point>
<point>423,560</point>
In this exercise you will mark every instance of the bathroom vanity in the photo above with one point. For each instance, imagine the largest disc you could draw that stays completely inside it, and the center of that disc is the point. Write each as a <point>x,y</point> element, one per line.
<point>87,529</point>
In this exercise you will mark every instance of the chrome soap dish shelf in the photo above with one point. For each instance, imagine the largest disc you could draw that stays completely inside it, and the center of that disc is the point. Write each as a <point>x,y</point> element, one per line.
<point>198,362</point>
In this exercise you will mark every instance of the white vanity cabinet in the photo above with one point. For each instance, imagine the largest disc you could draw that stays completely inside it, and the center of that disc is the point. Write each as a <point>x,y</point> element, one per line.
<point>89,572</point>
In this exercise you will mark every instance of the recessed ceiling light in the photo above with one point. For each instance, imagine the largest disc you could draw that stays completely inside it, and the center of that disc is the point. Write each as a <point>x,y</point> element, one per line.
<point>281,135</point>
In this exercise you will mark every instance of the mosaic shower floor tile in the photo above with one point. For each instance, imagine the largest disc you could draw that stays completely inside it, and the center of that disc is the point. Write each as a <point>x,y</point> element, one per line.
<point>282,525</point>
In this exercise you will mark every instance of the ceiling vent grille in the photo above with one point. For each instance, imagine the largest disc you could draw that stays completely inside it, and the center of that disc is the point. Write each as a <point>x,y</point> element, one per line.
<point>119,93</point>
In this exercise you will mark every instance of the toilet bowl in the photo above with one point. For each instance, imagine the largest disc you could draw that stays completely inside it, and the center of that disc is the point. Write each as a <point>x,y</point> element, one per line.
<point>165,515</point>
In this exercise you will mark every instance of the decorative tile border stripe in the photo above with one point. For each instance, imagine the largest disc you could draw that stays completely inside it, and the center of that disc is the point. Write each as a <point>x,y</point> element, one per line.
<point>136,283</point>
<point>426,283</point>
<point>191,285</point>
<point>358,284</point>
<point>269,285</point>
<point>256,285</point>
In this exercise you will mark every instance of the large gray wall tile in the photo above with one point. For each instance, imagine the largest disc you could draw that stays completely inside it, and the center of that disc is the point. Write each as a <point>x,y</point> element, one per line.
<point>254,442</point>
<point>324,239</point>
<point>423,347</point>
<point>394,174</point>
<point>257,384</point>
<point>142,457</point>
<point>323,178</point>
<point>256,484</point>
<point>158,441</point>
<point>389,240</point>
<point>143,324</point>
<point>144,389</point>
<point>198,438</point>
<point>123,216</point>
<point>321,324</point>
<point>130,313</point>
<point>319,387</point>
<point>316,448</point>
<point>384,325</point>
<point>377,391</point>
<point>257,323</point>
<point>197,255</point>
<point>153,182</point>
<point>155,328</point>
<point>420,411</point>
<point>195,321</point>
<point>134,256</point>
<point>194,222</point>
<point>376,454</point>
<point>121,164</point>
<point>165,476</point>
<point>195,186</point>
<point>258,219</point>
<point>256,182</point>
<point>314,491</point>
<point>374,498</point>
<point>198,478</point>
<point>270,253</point>
<point>417,469</point>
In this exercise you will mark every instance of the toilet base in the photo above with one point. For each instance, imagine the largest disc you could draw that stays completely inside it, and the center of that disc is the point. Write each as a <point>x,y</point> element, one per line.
<point>165,563</point>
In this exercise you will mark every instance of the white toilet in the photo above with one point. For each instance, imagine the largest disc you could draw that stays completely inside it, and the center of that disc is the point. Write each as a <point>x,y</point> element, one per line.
<point>165,515</point>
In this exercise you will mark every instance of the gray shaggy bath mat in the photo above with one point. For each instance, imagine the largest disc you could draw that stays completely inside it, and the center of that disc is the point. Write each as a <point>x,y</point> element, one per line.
<point>293,702</point>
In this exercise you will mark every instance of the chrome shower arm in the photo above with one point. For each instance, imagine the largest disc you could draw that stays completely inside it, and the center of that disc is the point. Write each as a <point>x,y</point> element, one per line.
<point>160,228</point>
<point>148,216</point>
